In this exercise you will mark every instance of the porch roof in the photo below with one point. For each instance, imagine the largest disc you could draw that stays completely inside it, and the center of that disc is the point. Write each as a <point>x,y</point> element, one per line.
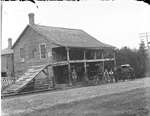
<point>6,51</point>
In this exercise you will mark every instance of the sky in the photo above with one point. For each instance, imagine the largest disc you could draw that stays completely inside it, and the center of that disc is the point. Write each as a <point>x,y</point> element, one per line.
<point>118,23</point>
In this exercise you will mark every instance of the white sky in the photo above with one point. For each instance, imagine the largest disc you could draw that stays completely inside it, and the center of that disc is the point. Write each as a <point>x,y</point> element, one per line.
<point>113,22</point>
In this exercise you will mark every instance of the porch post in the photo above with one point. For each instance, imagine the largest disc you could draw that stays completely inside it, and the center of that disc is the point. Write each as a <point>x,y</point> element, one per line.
<point>95,57</point>
<point>48,77</point>
<point>52,68</point>
<point>85,69</point>
<point>114,59</point>
<point>53,78</point>
<point>69,67</point>
<point>103,61</point>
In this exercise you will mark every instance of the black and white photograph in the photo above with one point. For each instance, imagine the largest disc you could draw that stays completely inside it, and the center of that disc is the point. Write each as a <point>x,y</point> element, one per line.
<point>75,58</point>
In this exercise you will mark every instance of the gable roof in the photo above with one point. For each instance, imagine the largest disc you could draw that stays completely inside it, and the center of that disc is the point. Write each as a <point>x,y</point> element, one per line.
<point>68,37</point>
<point>20,36</point>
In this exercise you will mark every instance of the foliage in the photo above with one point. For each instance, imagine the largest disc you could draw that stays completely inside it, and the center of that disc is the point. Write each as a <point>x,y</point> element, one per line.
<point>136,58</point>
<point>146,1</point>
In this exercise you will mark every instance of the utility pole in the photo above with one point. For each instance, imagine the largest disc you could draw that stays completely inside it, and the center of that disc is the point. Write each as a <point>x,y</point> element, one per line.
<point>146,35</point>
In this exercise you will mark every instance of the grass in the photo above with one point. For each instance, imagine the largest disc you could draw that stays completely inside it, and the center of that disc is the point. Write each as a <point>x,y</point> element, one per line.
<point>132,103</point>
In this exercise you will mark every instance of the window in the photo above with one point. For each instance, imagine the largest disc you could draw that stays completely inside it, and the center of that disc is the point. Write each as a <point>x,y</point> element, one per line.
<point>22,53</point>
<point>32,53</point>
<point>43,50</point>
<point>3,74</point>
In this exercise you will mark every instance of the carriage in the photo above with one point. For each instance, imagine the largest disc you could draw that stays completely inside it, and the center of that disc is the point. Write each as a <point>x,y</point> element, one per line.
<point>124,72</point>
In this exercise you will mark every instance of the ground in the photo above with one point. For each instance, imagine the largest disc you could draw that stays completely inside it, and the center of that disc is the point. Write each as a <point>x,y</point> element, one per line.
<point>132,103</point>
<point>131,98</point>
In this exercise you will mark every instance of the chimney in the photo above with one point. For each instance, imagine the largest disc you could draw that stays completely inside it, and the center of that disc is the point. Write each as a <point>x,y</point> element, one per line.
<point>9,43</point>
<point>31,18</point>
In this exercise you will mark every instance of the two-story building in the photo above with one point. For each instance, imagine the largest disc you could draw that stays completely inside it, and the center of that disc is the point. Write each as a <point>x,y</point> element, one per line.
<point>72,55</point>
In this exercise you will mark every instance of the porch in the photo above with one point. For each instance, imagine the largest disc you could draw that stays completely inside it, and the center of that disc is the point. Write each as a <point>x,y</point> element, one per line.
<point>75,65</point>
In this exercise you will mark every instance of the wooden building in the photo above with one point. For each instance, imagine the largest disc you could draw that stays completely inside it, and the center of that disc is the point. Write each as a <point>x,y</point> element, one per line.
<point>7,67</point>
<point>68,54</point>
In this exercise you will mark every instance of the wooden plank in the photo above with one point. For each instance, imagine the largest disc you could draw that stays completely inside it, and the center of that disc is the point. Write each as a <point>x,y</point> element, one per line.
<point>23,82</point>
<point>92,60</point>
<point>100,60</point>
<point>69,67</point>
<point>85,70</point>
<point>59,63</point>
<point>95,55</point>
<point>46,73</point>
<point>48,77</point>
<point>85,61</point>
<point>114,59</point>
<point>38,66</point>
<point>103,62</point>
<point>77,61</point>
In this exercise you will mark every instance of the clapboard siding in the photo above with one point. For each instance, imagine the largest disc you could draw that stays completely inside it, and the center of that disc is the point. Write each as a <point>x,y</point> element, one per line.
<point>30,40</point>
<point>7,64</point>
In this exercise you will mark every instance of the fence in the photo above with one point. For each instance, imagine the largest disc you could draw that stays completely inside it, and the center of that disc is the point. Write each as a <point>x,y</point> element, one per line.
<point>5,82</point>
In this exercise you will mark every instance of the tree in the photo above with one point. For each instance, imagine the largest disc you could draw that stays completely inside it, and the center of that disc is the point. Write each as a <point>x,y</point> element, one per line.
<point>146,1</point>
<point>148,63</point>
<point>142,58</point>
<point>136,58</point>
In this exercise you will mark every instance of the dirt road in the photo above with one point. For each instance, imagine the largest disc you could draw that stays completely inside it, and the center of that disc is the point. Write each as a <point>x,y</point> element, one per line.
<point>26,104</point>
<point>130,103</point>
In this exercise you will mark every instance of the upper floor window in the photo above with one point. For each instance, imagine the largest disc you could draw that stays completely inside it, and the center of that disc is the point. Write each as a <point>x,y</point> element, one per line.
<point>22,53</point>
<point>32,53</point>
<point>43,50</point>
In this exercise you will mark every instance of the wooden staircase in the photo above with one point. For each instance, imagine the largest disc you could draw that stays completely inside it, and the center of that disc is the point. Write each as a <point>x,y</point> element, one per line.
<point>41,84</point>
<point>26,79</point>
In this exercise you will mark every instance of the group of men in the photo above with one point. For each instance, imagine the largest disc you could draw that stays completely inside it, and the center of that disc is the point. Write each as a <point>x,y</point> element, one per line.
<point>108,76</point>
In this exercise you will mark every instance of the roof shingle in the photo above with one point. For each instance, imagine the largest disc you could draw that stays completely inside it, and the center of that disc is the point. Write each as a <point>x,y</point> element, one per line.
<point>70,37</point>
